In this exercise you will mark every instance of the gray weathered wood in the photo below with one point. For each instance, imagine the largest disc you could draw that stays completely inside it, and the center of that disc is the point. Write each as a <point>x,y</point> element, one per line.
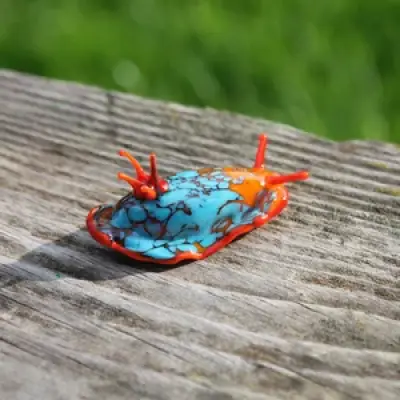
<point>307,307</point>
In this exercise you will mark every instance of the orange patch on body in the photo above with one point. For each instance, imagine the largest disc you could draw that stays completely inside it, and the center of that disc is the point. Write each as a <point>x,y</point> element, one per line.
<point>253,183</point>
<point>199,247</point>
<point>251,186</point>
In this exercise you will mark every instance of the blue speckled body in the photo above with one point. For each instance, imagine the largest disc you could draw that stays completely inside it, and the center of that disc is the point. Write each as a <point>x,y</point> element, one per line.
<point>198,209</point>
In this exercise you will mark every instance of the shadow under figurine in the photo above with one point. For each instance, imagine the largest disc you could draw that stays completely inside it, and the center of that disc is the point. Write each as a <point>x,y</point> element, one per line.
<point>190,215</point>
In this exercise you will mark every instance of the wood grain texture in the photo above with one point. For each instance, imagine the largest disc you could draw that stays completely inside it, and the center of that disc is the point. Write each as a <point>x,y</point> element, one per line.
<point>307,307</point>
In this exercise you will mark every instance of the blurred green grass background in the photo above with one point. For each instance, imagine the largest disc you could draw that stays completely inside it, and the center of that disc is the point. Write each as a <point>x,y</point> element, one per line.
<point>328,67</point>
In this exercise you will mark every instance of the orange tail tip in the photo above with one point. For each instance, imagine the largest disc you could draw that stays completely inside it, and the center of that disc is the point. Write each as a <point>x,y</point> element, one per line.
<point>281,179</point>
<point>145,186</point>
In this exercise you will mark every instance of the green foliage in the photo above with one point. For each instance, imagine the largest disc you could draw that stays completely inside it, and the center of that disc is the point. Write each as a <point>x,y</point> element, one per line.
<point>329,67</point>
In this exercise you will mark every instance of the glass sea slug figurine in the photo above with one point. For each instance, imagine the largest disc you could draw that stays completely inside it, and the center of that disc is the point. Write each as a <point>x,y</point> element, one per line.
<point>190,215</point>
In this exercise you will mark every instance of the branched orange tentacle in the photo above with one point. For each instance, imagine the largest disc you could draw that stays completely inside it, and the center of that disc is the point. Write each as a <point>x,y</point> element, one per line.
<point>145,186</point>
<point>141,174</point>
<point>141,190</point>
<point>135,183</point>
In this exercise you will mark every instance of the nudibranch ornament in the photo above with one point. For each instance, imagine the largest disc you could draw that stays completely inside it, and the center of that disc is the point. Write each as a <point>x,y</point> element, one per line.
<point>190,215</point>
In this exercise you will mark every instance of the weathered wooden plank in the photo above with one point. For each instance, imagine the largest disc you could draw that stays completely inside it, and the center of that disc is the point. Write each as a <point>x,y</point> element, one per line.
<point>307,307</point>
